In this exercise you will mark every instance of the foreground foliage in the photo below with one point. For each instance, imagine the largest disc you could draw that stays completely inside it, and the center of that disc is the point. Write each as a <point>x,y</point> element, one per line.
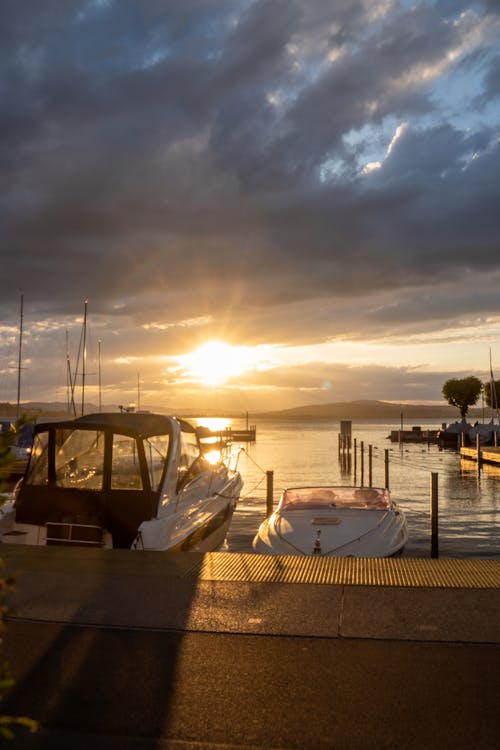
<point>8,724</point>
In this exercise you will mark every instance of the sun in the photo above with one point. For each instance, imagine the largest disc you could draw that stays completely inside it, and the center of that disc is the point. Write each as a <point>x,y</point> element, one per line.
<point>216,362</point>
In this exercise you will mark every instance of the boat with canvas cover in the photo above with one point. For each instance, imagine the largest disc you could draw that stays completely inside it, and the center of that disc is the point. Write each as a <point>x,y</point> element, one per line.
<point>121,480</point>
<point>334,522</point>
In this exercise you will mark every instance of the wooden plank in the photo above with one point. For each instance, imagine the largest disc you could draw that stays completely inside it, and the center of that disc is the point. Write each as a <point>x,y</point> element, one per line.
<point>489,454</point>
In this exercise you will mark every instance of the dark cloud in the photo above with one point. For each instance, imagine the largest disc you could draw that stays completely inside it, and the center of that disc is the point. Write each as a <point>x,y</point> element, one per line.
<point>205,159</point>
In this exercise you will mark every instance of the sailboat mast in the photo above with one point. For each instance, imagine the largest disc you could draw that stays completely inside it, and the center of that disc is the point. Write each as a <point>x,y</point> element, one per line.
<point>68,374</point>
<point>18,409</point>
<point>70,384</point>
<point>493,398</point>
<point>100,385</point>
<point>84,355</point>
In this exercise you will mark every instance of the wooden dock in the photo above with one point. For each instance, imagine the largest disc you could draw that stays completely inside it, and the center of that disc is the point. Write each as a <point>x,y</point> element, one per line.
<point>415,435</point>
<point>488,454</point>
<point>228,435</point>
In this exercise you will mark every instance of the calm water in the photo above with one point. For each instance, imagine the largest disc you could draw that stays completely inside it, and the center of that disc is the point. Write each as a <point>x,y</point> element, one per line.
<point>306,452</point>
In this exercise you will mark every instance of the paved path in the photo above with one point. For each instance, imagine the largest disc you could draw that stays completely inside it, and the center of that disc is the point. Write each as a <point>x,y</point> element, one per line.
<point>123,652</point>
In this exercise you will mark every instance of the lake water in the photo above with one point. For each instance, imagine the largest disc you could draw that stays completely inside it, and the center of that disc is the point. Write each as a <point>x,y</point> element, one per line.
<point>306,453</point>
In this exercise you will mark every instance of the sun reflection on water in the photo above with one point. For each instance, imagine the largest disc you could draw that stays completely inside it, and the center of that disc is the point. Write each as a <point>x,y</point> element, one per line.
<point>212,447</point>
<point>216,424</point>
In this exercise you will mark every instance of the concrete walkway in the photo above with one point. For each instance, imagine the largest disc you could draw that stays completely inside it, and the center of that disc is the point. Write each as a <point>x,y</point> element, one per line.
<point>146,650</point>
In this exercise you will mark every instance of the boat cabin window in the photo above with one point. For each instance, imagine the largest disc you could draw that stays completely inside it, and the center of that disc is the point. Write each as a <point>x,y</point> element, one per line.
<point>302,498</point>
<point>156,449</point>
<point>39,464</point>
<point>79,459</point>
<point>125,465</point>
<point>190,452</point>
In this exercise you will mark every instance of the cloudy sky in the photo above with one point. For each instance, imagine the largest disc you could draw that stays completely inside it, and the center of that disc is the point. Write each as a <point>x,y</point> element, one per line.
<point>313,185</point>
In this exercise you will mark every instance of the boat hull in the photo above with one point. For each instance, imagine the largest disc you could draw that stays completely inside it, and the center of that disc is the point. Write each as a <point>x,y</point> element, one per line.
<point>202,529</point>
<point>180,533</point>
<point>316,526</point>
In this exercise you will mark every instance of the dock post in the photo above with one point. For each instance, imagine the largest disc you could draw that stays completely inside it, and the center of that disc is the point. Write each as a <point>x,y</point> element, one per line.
<point>370,466</point>
<point>355,450</point>
<point>345,443</point>
<point>478,451</point>
<point>386,467</point>
<point>269,493</point>
<point>362,457</point>
<point>434,515</point>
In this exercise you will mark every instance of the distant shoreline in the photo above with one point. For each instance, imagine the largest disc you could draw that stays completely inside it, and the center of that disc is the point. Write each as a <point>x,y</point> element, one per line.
<point>376,410</point>
<point>361,409</point>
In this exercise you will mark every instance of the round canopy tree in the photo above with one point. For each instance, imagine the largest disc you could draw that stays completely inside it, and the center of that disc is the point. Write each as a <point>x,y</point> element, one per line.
<point>462,393</point>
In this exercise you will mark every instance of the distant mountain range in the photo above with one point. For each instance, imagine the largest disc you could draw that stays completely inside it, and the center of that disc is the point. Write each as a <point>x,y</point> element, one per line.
<point>59,410</point>
<point>366,409</point>
<point>361,409</point>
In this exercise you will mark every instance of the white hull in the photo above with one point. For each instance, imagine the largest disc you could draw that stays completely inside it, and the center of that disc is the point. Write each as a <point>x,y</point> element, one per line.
<point>203,537</point>
<point>330,531</point>
<point>182,532</point>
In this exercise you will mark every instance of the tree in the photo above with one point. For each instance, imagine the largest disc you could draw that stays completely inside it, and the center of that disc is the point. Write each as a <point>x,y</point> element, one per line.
<point>462,393</point>
<point>489,392</point>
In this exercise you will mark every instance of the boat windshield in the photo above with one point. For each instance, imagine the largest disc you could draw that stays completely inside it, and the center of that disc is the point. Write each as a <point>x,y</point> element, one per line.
<point>156,449</point>
<point>312,498</point>
<point>79,459</point>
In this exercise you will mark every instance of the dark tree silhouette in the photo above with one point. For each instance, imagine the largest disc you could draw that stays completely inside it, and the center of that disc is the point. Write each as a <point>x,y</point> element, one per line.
<point>462,393</point>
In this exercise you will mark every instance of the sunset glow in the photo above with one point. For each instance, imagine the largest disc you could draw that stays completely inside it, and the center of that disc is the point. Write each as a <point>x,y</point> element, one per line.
<point>321,224</point>
<point>216,362</point>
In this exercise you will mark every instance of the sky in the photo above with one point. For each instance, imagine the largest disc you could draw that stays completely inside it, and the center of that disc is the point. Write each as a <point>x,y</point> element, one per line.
<point>266,203</point>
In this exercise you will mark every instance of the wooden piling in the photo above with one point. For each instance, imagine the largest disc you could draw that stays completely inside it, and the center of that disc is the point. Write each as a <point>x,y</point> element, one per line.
<point>269,493</point>
<point>478,451</point>
<point>370,466</point>
<point>344,440</point>
<point>386,468</point>
<point>434,515</point>
<point>362,459</point>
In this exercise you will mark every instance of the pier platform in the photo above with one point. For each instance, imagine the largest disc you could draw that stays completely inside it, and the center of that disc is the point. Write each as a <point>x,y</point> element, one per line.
<point>228,435</point>
<point>489,454</point>
<point>415,435</point>
<point>120,650</point>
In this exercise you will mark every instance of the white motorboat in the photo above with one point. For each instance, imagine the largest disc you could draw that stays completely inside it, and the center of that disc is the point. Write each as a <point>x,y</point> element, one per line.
<point>128,480</point>
<point>334,522</point>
